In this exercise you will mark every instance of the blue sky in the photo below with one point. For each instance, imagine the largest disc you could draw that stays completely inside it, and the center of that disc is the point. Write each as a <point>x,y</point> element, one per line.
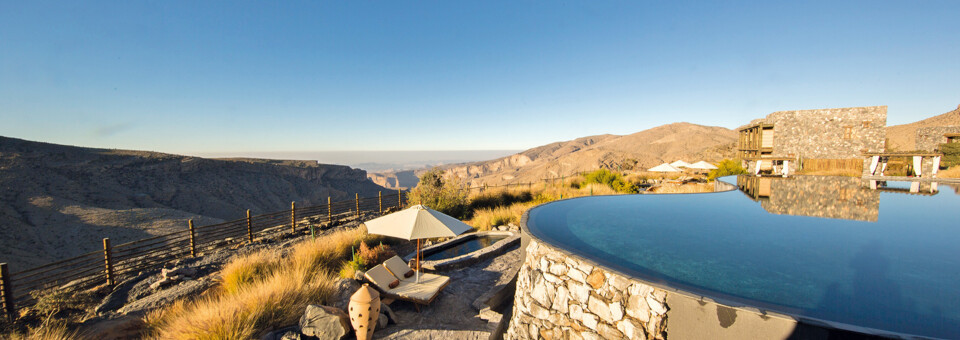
<point>209,77</point>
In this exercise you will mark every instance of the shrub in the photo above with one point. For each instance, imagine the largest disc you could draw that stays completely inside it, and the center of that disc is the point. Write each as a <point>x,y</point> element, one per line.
<point>951,155</point>
<point>375,255</point>
<point>614,180</point>
<point>446,195</point>
<point>727,167</point>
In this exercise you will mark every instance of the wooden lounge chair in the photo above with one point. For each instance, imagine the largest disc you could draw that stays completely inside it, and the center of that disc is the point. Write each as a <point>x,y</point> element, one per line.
<point>422,293</point>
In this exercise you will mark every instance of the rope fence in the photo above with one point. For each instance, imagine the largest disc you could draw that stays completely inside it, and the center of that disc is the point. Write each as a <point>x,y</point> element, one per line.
<point>115,263</point>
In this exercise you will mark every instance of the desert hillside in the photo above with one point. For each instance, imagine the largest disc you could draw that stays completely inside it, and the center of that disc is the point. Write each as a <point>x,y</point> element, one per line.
<point>640,150</point>
<point>59,201</point>
<point>904,137</point>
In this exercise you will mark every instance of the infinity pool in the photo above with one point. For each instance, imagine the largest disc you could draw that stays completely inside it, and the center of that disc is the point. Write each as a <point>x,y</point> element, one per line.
<point>876,255</point>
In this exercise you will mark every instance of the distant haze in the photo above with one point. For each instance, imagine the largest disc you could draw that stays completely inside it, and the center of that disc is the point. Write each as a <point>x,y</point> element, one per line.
<point>375,161</point>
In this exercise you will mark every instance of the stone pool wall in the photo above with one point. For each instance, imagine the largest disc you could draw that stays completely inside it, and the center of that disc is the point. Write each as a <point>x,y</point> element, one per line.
<point>562,297</point>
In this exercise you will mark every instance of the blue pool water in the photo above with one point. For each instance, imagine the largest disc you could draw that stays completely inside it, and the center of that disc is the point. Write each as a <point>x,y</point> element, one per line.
<point>828,248</point>
<point>465,247</point>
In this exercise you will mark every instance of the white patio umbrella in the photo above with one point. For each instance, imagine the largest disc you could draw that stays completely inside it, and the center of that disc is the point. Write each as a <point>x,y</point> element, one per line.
<point>415,223</point>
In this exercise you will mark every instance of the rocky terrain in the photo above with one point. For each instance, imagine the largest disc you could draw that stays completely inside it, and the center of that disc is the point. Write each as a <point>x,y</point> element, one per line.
<point>59,201</point>
<point>903,137</point>
<point>640,150</point>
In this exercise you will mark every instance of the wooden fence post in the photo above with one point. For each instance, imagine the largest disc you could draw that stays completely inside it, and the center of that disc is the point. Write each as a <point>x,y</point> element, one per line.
<point>357,195</point>
<point>193,241</point>
<point>6,292</point>
<point>380,201</point>
<point>293,217</point>
<point>329,210</point>
<point>108,261</point>
<point>249,227</point>
<point>399,199</point>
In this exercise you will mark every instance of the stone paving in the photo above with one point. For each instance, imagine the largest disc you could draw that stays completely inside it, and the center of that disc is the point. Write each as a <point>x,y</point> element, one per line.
<point>451,315</point>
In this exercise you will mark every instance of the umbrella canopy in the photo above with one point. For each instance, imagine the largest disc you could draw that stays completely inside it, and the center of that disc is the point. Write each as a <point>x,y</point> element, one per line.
<point>415,223</point>
<point>664,168</point>
<point>680,164</point>
<point>702,165</point>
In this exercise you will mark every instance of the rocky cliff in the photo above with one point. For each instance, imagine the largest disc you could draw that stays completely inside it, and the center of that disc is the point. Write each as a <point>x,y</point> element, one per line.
<point>58,201</point>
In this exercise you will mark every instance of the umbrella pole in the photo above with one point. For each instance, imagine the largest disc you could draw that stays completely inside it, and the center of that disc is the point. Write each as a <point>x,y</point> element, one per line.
<point>418,260</point>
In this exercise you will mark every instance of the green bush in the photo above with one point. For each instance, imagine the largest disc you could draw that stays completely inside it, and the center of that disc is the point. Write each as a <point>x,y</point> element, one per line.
<point>611,179</point>
<point>951,155</point>
<point>446,195</point>
<point>727,167</point>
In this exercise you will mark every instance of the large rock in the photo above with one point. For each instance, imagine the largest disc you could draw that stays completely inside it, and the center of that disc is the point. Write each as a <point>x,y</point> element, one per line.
<point>324,322</point>
<point>345,288</point>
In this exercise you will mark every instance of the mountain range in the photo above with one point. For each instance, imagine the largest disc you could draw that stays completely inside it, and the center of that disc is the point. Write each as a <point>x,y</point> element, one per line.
<point>59,201</point>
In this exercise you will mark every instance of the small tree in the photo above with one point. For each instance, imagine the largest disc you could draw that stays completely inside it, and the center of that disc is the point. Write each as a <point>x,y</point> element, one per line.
<point>446,195</point>
<point>727,167</point>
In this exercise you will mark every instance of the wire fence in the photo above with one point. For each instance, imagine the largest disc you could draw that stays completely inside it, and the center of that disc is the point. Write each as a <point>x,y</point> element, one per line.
<point>115,263</point>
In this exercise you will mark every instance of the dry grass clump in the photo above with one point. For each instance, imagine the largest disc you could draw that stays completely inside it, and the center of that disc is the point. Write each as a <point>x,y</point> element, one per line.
<point>259,292</point>
<point>487,218</point>
<point>682,188</point>
<point>952,172</point>
<point>46,331</point>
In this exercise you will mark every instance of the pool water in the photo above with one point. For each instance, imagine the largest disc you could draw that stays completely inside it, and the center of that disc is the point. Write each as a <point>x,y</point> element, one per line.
<point>828,248</point>
<point>465,247</point>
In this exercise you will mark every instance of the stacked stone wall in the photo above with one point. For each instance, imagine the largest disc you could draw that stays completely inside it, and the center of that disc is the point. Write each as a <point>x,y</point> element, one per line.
<point>930,138</point>
<point>821,133</point>
<point>560,296</point>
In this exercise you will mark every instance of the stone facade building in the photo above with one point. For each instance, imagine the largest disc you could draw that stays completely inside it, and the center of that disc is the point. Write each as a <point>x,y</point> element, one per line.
<point>930,138</point>
<point>824,134</point>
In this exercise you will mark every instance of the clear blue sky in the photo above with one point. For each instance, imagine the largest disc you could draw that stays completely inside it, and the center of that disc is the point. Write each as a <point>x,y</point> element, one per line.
<point>199,76</point>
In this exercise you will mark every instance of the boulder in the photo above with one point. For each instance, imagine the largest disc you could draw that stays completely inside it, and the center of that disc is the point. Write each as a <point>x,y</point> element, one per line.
<point>345,288</point>
<point>324,322</point>
<point>384,309</point>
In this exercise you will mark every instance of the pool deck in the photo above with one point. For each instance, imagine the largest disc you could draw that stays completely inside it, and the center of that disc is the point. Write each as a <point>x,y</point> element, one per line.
<point>453,314</point>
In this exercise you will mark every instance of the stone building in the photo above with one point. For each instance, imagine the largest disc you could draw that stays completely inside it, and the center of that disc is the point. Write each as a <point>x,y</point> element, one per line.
<point>826,138</point>
<point>930,138</point>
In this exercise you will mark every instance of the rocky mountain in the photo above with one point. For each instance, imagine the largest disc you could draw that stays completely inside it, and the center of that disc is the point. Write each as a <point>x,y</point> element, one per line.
<point>640,150</point>
<point>904,137</point>
<point>59,201</point>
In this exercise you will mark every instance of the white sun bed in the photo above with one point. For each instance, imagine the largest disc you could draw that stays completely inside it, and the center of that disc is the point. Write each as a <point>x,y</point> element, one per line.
<point>423,292</point>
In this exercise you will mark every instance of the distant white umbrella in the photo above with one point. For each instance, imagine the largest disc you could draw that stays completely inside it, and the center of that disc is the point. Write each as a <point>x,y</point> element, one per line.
<point>702,165</point>
<point>415,223</point>
<point>665,167</point>
<point>680,164</point>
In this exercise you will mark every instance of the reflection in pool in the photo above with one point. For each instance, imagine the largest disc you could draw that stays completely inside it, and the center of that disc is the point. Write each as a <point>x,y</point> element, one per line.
<point>465,247</point>
<point>828,248</point>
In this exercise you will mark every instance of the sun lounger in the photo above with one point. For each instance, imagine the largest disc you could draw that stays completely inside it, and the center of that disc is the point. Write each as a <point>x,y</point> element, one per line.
<point>401,270</point>
<point>422,293</point>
